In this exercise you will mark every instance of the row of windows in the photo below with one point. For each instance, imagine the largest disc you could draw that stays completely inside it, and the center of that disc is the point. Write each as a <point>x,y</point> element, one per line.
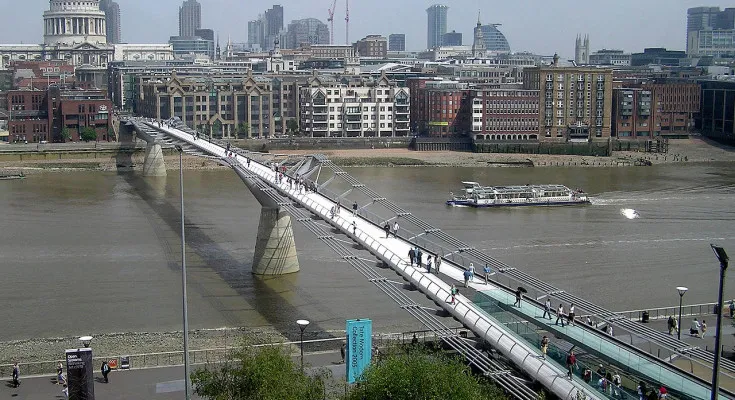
<point>371,125</point>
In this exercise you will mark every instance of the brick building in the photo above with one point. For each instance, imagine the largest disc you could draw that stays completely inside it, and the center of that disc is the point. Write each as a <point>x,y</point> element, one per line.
<point>442,108</point>
<point>575,104</point>
<point>372,46</point>
<point>650,110</point>
<point>505,114</point>
<point>45,115</point>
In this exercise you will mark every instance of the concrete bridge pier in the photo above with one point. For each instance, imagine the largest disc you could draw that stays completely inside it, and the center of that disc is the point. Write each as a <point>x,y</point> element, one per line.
<point>275,249</point>
<point>153,164</point>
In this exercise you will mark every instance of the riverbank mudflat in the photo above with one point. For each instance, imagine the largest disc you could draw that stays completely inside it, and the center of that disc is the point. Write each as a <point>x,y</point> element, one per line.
<point>694,150</point>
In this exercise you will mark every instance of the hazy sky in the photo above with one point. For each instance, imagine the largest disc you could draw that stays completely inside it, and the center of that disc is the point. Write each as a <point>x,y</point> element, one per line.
<point>540,26</point>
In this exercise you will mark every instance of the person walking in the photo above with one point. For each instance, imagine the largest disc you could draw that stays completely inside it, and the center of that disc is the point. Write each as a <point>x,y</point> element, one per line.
<point>437,263</point>
<point>467,275</point>
<point>547,309</point>
<point>354,209</point>
<point>616,384</point>
<point>487,272</point>
<point>428,263</point>
<point>395,229</point>
<point>386,228</point>
<point>453,292</point>
<point>354,228</point>
<point>544,346</point>
<point>560,315</point>
<point>472,272</point>
<point>670,324</point>
<point>16,375</point>
<point>105,371</point>
<point>519,295</point>
<point>571,364</point>
<point>342,351</point>
<point>411,255</point>
<point>570,317</point>
<point>419,257</point>
<point>704,328</point>
<point>694,329</point>
<point>60,374</point>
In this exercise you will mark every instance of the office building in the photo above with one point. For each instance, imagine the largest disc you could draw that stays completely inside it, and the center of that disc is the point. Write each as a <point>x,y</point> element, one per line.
<point>272,26</point>
<point>617,58</point>
<point>190,18</point>
<point>505,114</point>
<point>375,46</point>
<point>710,32</point>
<point>371,109</point>
<point>397,42</point>
<point>495,41</point>
<point>441,108</point>
<point>657,56</point>
<point>436,25</point>
<point>255,34</point>
<point>305,31</point>
<point>575,101</point>
<point>191,46</point>
<point>717,119</point>
<point>112,18</point>
<point>452,38</point>
<point>226,106</point>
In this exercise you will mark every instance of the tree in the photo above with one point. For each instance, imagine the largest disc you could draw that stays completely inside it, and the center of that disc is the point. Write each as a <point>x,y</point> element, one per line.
<point>266,373</point>
<point>65,135</point>
<point>88,134</point>
<point>243,129</point>
<point>292,125</point>
<point>418,374</point>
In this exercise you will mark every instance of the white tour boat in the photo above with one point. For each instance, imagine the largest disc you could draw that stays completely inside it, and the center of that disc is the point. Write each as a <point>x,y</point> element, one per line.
<point>476,195</point>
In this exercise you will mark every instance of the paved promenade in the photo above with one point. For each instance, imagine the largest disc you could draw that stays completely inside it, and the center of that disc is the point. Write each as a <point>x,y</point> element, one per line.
<point>155,383</point>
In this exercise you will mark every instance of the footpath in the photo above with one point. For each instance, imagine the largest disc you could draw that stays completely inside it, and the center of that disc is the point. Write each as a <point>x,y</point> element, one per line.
<point>165,383</point>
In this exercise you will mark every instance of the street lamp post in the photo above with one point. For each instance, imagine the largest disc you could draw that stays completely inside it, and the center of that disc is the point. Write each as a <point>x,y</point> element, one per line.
<point>681,290</point>
<point>187,379</point>
<point>303,323</point>
<point>723,258</point>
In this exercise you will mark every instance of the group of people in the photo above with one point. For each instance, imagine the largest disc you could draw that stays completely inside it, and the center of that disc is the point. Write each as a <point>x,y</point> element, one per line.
<point>60,377</point>
<point>416,256</point>
<point>391,229</point>
<point>697,329</point>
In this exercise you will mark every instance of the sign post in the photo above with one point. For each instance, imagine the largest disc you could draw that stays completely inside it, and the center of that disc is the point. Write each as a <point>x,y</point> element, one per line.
<point>80,374</point>
<point>359,347</point>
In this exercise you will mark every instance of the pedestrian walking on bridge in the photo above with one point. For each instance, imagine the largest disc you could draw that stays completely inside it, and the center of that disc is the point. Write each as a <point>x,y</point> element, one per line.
<point>395,229</point>
<point>411,255</point>
<point>428,263</point>
<point>467,275</point>
<point>16,375</point>
<point>354,209</point>
<point>437,263</point>
<point>386,228</point>
<point>547,309</point>
<point>105,371</point>
<point>560,315</point>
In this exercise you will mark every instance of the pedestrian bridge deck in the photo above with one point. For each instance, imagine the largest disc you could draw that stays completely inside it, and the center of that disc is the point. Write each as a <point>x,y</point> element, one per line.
<point>394,252</point>
<point>599,343</point>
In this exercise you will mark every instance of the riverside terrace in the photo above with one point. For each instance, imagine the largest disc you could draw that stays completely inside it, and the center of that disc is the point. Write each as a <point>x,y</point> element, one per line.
<point>365,229</point>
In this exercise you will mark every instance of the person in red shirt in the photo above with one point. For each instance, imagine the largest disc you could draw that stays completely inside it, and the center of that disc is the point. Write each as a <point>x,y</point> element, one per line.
<point>571,364</point>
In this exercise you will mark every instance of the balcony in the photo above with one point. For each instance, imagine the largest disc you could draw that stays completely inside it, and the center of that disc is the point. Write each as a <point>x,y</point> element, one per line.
<point>402,118</point>
<point>320,118</point>
<point>319,127</point>
<point>353,118</point>
<point>354,127</point>
<point>320,111</point>
<point>402,110</point>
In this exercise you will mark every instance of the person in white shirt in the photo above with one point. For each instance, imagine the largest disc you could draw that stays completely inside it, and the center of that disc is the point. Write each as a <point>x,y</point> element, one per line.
<point>395,229</point>
<point>560,315</point>
<point>694,329</point>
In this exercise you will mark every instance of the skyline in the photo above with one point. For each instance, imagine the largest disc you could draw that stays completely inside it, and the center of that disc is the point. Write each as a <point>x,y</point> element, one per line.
<point>656,23</point>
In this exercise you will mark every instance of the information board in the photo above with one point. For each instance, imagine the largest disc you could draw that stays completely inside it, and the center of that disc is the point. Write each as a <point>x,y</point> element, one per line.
<point>359,347</point>
<point>80,374</point>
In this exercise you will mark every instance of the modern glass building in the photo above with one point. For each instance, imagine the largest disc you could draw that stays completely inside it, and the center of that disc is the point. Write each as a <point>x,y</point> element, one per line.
<point>494,39</point>
<point>437,25</point>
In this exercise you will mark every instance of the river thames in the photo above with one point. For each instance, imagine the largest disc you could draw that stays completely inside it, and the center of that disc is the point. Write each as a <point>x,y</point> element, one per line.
<point>94,252</point>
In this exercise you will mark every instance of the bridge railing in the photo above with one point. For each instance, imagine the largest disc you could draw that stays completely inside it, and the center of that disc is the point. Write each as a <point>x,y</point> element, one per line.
<point>220,354</point>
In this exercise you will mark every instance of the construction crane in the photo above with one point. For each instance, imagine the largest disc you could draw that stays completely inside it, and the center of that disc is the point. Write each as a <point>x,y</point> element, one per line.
<point>331,21</point>
<point>347,22</point>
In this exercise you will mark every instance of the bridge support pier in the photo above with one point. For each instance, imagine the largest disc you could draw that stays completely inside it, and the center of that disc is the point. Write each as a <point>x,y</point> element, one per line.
<point>275,249</point>
<point>153,164</point>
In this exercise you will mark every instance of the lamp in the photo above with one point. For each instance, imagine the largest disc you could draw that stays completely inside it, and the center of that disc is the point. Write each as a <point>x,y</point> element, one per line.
<point>86,341</point>
<point>724,259</point>
<point>303,323</point>
<point>681,290</point>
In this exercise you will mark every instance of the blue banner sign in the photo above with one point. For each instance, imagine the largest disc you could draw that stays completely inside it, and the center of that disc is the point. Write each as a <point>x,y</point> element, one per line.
<point>359,347</point>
